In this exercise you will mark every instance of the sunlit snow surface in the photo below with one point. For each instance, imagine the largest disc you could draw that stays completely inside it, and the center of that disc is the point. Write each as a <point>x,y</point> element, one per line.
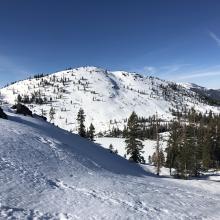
<point>48,173</point>
<point>104,95</point>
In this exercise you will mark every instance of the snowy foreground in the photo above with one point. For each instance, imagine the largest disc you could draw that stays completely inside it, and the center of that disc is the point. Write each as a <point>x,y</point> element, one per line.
<point>48,173</point>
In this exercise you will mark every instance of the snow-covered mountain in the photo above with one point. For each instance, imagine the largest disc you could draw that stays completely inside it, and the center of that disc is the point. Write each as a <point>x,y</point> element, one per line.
<point>107,97</point>
<point>213,95</point>
<point>49,173</point>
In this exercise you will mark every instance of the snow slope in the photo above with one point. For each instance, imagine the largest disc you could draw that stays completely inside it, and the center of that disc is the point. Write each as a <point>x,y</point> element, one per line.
<point>49,173</point>
<point>108,98</point>
<point>119,145</point>
<point>213,94</point>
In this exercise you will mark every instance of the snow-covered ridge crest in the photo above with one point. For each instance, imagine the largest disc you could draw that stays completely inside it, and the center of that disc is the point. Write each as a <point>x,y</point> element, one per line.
<point>107,97</point>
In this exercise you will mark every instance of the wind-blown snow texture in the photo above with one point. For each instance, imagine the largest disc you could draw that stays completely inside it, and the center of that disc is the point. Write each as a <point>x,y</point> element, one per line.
<point>48,173</point>
<point>108,98</point>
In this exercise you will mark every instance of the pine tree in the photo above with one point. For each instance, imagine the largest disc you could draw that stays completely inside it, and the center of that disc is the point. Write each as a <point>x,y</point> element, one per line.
<point>173,145</point>
<point>217,140</point>
<point>111,148</point>
<point>91,132</point>
<point>204,142</point>
<point>43,112</point>
<point>158,154</point>
<point>134,146</point>
<point>214,143</point>
<point>154,159</point>
<point>161,157</point>
<point>81,119</point>
<point>115,151</point>
<point>157,160</point>
<point>2,114</point>
<point>194,146</point>
<point>52,113</point>
<point>185,166</point>
<point>19,98</point>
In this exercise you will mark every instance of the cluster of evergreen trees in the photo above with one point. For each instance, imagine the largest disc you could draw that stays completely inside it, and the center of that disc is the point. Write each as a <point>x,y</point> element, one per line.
<point>147,128</point>
<point>194,144</point>
<point>40,75</point>
<point>35,98</point>
<point>89,133</point>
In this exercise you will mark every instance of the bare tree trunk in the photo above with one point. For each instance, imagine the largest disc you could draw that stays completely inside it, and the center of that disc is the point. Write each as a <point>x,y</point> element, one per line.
<point>157,149</point>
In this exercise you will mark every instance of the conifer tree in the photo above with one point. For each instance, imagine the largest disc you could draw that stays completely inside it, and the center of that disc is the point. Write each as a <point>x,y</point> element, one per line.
<point>81,119</point>
<point>157,161</point>
<point>194,146</point>
<point>111,148</point>
<point>91,132</point>
<point>19,98</point>
<point>134,146</point>
<point>115,151</point>
<point>52,113</point>
<point>187,160</point>
<point>161,157</point>
<point>154,159</point>
<point>173,145</point>
<point>43,112</point>
<point>217,140</point>
<point>158,154</point>
<point>214,143</point>
<point>204,142</point>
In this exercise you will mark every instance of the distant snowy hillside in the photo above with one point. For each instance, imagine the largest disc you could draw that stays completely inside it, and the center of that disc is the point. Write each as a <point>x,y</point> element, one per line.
<point>213,95</point>
<point>49,173</point>
<point>108,98</point>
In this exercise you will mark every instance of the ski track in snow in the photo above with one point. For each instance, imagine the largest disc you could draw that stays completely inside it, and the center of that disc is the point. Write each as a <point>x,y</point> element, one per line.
<point>47,173</point>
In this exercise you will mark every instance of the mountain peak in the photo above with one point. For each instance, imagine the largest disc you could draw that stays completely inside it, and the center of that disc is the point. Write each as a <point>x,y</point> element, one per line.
<point>107,97</point>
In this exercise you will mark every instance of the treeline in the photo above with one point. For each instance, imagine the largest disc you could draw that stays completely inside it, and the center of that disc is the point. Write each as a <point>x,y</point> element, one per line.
<point>194,144</point>
<point>34,98</point>
<point>41,75</point>
<point>147,128</point>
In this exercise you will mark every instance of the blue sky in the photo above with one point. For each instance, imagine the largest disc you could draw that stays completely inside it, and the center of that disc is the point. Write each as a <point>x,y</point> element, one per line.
<point>172,39</point>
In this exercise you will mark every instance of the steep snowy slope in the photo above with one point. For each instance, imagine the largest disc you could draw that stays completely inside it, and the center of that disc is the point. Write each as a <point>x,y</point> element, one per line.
<point>48,173</point>
<point>108,98</point>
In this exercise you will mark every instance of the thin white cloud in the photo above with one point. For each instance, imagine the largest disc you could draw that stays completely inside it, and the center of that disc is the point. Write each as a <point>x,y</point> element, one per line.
<point>186,73</point>
<point>214,37</point>
<point>172,69</point>
<point>198,75</point>
<point>161,70</point>
<point>150,69</point>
